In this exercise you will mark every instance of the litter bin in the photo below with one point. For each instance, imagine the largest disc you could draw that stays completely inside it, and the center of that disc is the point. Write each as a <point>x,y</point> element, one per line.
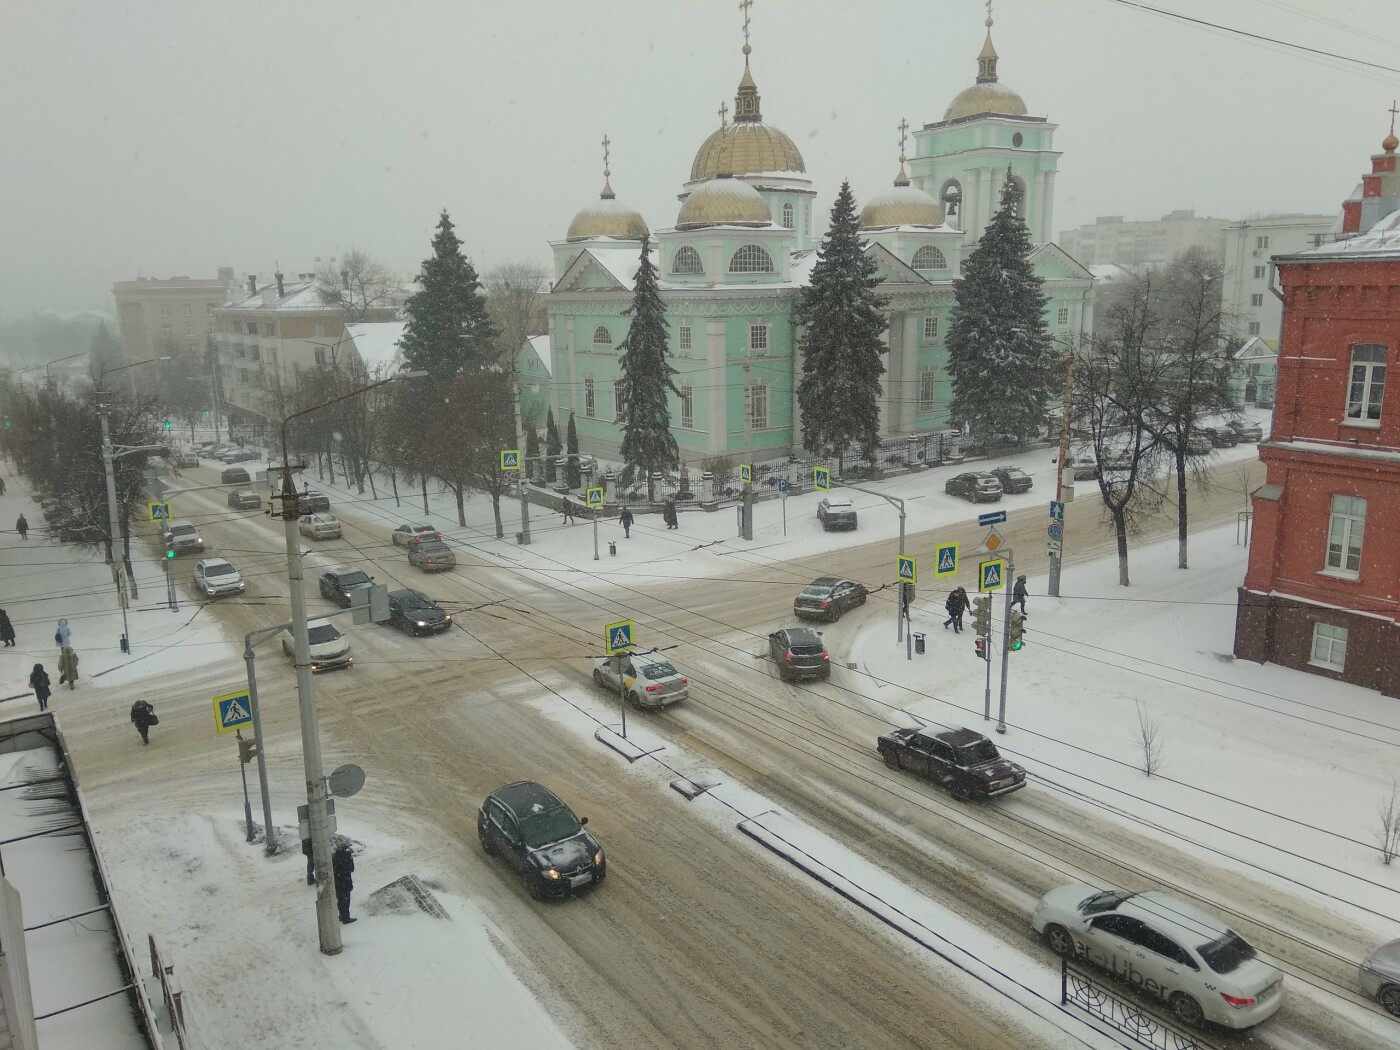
<point>918,643</point>
<point>612,548</point>
<point>520,537</point>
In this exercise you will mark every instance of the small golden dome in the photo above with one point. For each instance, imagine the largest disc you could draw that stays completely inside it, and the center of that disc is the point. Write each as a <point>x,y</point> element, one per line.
<point>723,202</point>
<point>901,206</point>
<point>745,149</point>
<point>605,217</point>
<point>1390,142</point>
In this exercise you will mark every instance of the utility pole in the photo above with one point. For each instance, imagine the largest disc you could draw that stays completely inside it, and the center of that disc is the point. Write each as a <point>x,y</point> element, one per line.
<point>1008,574</point>
<point>269,839</point>
<point>520,444</point>
<point>1057,557</point>
<point>747,532</point>
<point>214,397</point>
<point>897,504</point>
<point>113,515</point>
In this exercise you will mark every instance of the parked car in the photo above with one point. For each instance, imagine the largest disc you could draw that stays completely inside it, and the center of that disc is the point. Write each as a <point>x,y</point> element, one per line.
<point>1198,444</point>
<point>320,527</point>
<point>312,502</point>
<point>1197,966</point>
<point>1013,480</point>
<point>415,613</point>
<point>432,556</point>
<point>1222,436</point>
<point>836,513</point>
<point>541,838</point>
<point>234,476</point>
<point>244,455</point>
<point>975,487</point>
<point>183,537</point>
<point>1247,431</point>
<point>647,679</point>
<point>962,760</point>
<point>798,653</point>
<point>1085,464</point>
<point>329,648</point>
<point>339,584</point>
<point>827,597</point>
<point>217,578</point>
<point>186,459</point>
<point>404,533</point>
<point>244,499</point>
<point>1380,976</point>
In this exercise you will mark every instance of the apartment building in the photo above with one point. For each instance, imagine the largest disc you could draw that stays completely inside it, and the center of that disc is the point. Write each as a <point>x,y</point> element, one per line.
<point>1249,245</point>
<point>1108,239</point>
<point>158,315</point>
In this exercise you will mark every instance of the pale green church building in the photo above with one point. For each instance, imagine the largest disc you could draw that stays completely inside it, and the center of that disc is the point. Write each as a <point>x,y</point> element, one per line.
<point>743,245</point>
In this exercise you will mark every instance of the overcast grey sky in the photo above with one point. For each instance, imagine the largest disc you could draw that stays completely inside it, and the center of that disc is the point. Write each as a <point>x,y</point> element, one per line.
<point>156,137</point>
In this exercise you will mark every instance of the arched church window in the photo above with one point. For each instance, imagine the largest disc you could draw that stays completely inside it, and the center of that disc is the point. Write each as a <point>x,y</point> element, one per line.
<point>751,258</point>
<point>687,260</point>
<point>788,223</point>
<point>929,258</point>
<point>601,336</point>
<point>950,196</point>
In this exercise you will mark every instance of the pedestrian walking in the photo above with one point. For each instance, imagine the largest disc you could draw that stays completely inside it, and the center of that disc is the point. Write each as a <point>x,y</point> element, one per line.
<point>957,604</point>
<point>7,629</point>
<point>143,716</point>
<point>22,527</point>
<point>668,514</point>
<point>568,511</point>
<point>342,865</point>
<point>1018,594</point>
<point>310,862</point>
<point>625,520</point>
<point>39,682</point>
<point>63,637</point>
<point>2,486</point>
<point>68,667</point>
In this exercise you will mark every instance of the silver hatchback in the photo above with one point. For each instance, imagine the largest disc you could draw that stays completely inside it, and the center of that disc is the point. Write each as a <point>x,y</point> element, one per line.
<point>1380,977</point>
<point>647,679</point>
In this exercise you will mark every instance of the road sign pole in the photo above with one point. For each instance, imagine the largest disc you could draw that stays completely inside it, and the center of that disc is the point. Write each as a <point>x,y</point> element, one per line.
<point>247,804</point>
<point>269,839</point>
<point>1008,575</point>
<point>899,605</point>
<point>987,693</point>
<point>595,535</point>
<point>1059,556</point>
<point>622,695</point>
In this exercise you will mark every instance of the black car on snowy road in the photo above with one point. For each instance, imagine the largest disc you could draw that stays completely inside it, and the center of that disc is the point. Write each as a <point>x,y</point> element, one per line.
<point>962,760</point>
<point>539,835</point>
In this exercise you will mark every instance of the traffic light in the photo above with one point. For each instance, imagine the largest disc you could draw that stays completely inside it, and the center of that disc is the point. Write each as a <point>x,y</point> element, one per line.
<point>7,422</point>
<point>206,413</point>
<point>982,615</point>
<point>167,424</point>
<point>1016,638</point>
<point>169,552</point>
<point>980,647</point>
<point>247,751</point>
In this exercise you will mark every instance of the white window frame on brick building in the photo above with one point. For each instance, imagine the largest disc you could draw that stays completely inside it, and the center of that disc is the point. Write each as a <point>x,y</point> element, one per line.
<point>1366,384</point>
<point>1346,529</point>
<point>1329,647</point>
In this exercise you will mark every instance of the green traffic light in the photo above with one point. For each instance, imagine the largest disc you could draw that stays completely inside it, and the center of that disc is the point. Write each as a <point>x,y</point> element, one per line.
<point>167,424</point>
<point>170,553</point>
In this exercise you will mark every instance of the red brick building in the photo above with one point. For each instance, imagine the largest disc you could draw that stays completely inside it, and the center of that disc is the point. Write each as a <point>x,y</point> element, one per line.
<point>1322,592</point>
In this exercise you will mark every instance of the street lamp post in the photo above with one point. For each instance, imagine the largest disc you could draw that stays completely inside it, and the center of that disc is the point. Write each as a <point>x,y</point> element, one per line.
<point>327,921</point>
<point>898,504</point>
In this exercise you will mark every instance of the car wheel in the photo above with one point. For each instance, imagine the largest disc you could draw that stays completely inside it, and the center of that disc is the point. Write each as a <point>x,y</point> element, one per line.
<point>1187,1010</point>
<point>891,759</point>
<point>597,677</point>
<point>487,846</point>
<point>1389,998</point>
<point>635,700</point>
<point>535,885</point>
<point>1059,941</point>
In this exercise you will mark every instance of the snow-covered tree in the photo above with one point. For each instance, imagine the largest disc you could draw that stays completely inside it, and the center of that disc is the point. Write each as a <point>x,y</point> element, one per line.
<point>840,311</point>
<point>645,381</point>
<point>1003,365</point>
<point>448,330</point>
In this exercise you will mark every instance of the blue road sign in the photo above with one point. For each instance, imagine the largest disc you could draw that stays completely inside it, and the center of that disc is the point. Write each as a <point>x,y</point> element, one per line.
<point>232,711</point>
<point>990,574</point>
<point>991,518</point>
<point>906,568</point>
<point>1057,510</point>
<point>946,560</point>
<point>159,511</point>
<point>618,637</point>
<point>745,473</point>
<point>595,497</point>
<point>821,479</point>
<point>1056,531</point>
<point>510,459</point>
<point>782,486</point>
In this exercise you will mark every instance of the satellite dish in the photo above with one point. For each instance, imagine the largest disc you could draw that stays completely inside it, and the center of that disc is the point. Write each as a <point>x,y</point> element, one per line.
<point>346,781</point>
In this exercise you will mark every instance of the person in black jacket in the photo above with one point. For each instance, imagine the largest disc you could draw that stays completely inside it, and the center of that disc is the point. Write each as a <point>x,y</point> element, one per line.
<point>342,865</point>
<point>39,682</point>
<point>143,716</point>
<point>1018,594</point>
<point>7,629</point>
<point>957,604</point>
<point>625,520</point>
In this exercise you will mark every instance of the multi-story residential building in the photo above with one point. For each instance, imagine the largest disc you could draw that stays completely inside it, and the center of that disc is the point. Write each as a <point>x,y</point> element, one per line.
<point>156,316</point>
<point>1322,592</point>
<point>1248,302</point>
<point>1136,245</point>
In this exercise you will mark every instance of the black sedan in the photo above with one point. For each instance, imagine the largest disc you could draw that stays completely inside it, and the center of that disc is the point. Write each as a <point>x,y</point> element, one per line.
<point>799,653</point>
<point>413,612</point>
<point>962,760</point>
<point>975,487</point>
<point>541,838</point>
<point>827,598</point>
<point>1013,479</point>
<point>338,584</point>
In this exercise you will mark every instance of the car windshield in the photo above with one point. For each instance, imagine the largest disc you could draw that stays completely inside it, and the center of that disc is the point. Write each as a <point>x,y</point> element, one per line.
<point>659,670</point>
<point>541,829</point>
<point>976,754</point>
<point>1228,953</point>
<point>182,530</point>
<point>354,579</point>
<point>322,633</point>
<point>1107,900</point>
<point>221,568</point>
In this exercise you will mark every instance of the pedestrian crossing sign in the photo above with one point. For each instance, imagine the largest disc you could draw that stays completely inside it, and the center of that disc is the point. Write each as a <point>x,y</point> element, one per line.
<point>821,479</point>
<point>618,637</point>
<point>946,560</point>
<point>906,568</point>
<point>510,459</point>
<point>745,473</point>
<point>595,497</point>
<point>232,711</point>
<point>991,574</point>
<point>159,511</point>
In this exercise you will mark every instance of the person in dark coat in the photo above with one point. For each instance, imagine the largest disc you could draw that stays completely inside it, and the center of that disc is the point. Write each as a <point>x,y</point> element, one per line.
<point>68,667</point>
<point>343,864</point>
<point>957,604</point>
<point>1018,594</point>
<point>568,511</point>
<point>143,716</point>
<point>39,682</point>
<point>7,629</point>
<point>668,514</point>
<point>625,520</point>
<point>2,486</point>
<point>310,862</point>
<point>22,527</point>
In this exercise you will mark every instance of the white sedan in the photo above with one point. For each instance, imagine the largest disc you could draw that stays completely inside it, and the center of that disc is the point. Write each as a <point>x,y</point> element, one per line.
<point>320,526</point>
<point>1196,965</point>
<point>407,534</point>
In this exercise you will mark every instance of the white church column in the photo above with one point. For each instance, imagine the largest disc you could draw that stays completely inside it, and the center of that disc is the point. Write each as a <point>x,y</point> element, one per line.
<point>718,386</point>
<point>888,417</point>
<point>909,392</point>
<point>573,385</point>
<point>986,200</point>
<point>797,434</point>
<point>1047,208</point>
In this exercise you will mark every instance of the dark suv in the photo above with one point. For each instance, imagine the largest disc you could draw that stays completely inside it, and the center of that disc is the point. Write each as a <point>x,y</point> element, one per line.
<point>827,597</point>
<point>338,584</point>
<point>1013,480</point>
<point>312,503</point>
<point>965,762</point>
<point>539,835</point>
<point>798,653</point>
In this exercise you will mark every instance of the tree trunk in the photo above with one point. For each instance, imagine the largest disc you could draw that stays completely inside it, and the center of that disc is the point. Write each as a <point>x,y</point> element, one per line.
<point>394,481</point>
<point>459,492</point>
<point>126,560</point>
<point>1120,528</point>
<point>1181,511</point>
<point>369,472</point>
<point>425,494</point>
<point>496,509</point>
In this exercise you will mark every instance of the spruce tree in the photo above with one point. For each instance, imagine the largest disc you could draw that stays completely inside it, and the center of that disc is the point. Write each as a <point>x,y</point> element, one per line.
<point>647,442</point>
<point>552,445</point>
<point>448,330</point>
<point>571,467</point>
<point>839,392</point>
<point>1003,364</point>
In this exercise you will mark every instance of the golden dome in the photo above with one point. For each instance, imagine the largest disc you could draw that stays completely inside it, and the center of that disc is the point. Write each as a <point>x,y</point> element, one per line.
<point>723,201</point>
<point>901,206</point>
<point>1390,142</point>
<point>986,98</point>
<point>605,217</point>
<point>745,149</point>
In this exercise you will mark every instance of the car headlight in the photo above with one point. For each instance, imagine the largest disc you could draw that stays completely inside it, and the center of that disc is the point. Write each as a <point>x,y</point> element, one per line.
<point>551,873</point>
<point>421,623</point>
<point>447,618</point>
<point>598,858</point>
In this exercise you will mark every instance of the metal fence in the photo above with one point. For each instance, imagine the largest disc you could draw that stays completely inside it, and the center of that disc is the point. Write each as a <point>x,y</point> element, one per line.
<point>1115,1005</point>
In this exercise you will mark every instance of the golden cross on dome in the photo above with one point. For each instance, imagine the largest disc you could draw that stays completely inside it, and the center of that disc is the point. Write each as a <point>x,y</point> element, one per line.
<point>989,14</point>
<point>903,133</point>
<point>1392,116</point>
<point>606,143</point>
<point>723,112</point>
<point>744,6</point>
